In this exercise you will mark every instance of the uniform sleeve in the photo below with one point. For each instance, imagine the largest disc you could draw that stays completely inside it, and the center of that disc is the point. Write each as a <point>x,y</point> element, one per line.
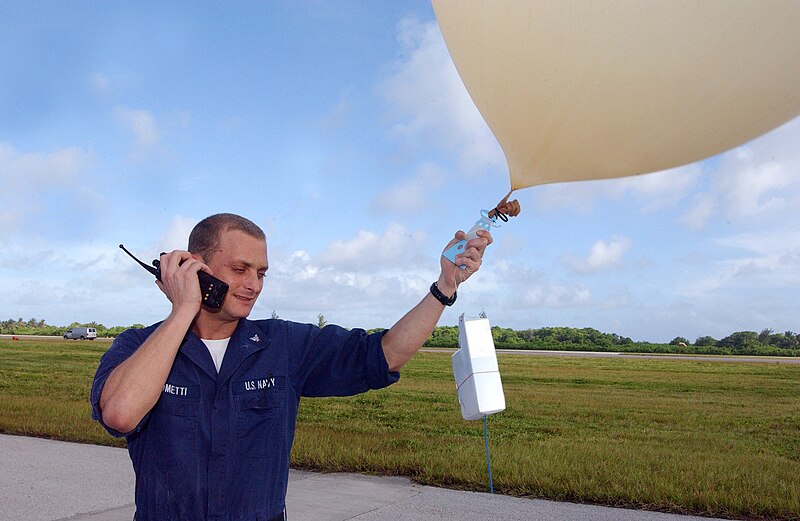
<point>123,347</point>
<point>333,361</point>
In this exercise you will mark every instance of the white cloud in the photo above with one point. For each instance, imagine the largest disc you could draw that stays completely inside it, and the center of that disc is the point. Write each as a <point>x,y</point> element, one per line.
<point>369,251</point>
<point>749,190</point>
<point>576,197</point>
<point>651,192</point>
<point>174,237</point>
<point>369,280</point>
<point>557,296</point>
<point>661,190</point>
<point>511,289</point>
<point>791,260</point>
<point>75,282</point>
<point>756,183</point>
<point>620,299</point>
<point>766,242</point>
<point>148,130</point>
<point>100,82</point>
<point>105,84</point>
<point>142,124</point>
<point>761,260</point>
<point>176,234</point>
<point>429,103</point>
<point>25,178</point>
<point>699,211</point>
<point>602,256</point>
<point>34,170</point>
<point>752,275</point>
<point>413,194</point>
<point>300,286</point>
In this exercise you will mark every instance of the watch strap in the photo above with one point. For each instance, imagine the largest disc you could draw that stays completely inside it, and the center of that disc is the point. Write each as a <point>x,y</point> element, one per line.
<point>441,297</point>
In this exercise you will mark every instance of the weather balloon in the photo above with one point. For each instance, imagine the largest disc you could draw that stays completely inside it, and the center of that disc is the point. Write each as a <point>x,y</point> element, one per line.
<point>599,89</point>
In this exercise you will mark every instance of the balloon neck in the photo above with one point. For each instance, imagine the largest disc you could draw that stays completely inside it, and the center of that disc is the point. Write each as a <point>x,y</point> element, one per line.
<point>486,221</point>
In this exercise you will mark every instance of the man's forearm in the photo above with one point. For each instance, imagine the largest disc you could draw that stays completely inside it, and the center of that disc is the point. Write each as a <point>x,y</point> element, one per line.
<point>136,384</point>
<point>408,335</point>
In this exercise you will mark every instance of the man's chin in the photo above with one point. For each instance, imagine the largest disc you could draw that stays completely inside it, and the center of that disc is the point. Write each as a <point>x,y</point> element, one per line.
<point>242,311</point>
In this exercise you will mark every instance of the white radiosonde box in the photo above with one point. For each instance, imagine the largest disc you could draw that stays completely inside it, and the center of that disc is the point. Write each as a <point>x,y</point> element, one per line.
<point>480,391</point>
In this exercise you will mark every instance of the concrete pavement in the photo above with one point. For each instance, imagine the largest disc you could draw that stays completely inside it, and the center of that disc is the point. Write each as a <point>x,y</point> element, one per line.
<point>623,356</point>
<point>46,480</point>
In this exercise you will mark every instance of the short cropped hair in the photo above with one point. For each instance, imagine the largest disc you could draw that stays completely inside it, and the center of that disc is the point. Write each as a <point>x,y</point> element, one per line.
<point>204,239</point>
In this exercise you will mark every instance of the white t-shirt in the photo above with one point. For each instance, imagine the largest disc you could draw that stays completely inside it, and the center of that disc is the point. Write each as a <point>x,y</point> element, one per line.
<point>217,349</point>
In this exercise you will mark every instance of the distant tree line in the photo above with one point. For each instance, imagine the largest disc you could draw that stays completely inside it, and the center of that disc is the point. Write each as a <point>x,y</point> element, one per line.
<point>39,327</point>
<point>766,343</point>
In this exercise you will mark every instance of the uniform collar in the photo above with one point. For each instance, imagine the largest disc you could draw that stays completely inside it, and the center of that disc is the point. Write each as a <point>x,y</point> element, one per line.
<point>247,339</point>
<point>196,351</point>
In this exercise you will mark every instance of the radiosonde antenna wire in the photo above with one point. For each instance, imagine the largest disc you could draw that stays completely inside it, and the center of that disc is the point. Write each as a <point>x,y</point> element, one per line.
<point>488,459</point>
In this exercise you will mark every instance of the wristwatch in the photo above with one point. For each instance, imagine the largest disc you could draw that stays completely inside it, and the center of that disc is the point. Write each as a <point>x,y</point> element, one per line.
<point>441,296</point>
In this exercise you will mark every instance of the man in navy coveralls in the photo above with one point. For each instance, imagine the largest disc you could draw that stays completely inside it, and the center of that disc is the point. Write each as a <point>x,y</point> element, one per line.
<point>207,400</point>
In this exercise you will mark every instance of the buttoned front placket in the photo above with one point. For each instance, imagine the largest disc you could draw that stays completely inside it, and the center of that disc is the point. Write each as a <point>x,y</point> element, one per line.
<point>221,457</point>
<point>194,349</point>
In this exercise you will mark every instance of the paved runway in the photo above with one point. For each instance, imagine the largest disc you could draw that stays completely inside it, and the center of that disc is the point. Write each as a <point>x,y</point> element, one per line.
<point>623,356</point>
<point>46,480</point>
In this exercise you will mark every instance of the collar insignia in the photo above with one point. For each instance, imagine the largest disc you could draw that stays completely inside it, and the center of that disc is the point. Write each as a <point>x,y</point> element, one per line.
<point>255,338</point>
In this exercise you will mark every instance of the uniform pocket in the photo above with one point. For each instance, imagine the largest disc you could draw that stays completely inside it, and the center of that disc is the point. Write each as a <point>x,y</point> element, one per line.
<point>183,401</point>
<point>257,413</point>
<point>174,424</point>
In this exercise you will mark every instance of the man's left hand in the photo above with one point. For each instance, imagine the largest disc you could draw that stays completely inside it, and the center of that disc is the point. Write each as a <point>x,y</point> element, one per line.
<point>472,256</point>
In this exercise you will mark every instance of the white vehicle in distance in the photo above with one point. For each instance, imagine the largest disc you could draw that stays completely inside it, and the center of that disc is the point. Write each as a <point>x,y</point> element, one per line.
<point>81,333</point>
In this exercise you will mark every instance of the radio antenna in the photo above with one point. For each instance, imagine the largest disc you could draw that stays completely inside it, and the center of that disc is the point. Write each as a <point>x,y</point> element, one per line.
<point>151,269</point>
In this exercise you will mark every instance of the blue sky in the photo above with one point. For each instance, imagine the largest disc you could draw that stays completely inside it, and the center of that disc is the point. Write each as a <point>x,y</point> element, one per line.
<point>344,131</point>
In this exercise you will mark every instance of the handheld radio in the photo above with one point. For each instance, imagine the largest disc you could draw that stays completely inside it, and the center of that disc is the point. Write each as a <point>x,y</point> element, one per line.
<point>212,289</point>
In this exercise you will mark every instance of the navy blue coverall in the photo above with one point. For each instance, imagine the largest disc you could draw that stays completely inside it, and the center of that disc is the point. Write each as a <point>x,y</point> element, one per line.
<point>216,447</point>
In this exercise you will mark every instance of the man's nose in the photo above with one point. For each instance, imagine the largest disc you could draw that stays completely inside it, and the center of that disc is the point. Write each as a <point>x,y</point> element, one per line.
<point>253,282</point>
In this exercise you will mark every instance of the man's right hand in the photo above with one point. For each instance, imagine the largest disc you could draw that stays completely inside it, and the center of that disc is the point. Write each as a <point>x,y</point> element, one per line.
<point>179,280</point>
<point>135,385</point>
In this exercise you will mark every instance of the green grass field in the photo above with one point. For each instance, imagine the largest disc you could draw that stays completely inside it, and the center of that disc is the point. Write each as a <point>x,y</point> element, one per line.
<point>708,438</point>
